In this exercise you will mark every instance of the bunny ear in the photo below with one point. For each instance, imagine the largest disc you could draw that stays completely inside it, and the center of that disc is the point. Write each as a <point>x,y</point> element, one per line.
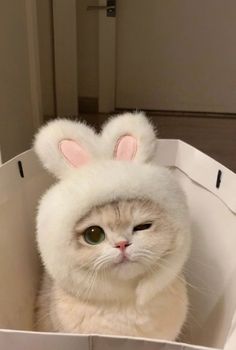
<point>129,136</point>
<point>74,153</point>
<point>63,144</point>
<point>126,148</point>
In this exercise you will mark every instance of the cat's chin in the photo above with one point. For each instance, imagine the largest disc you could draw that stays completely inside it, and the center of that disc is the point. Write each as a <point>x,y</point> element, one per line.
<point>127,270</point>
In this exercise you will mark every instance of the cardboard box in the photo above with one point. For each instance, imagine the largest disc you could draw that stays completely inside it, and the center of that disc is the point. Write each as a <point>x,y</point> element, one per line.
<point>211,270</point>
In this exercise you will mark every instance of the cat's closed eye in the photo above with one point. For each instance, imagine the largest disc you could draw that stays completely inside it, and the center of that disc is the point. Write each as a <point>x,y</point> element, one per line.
<point>142,227</point>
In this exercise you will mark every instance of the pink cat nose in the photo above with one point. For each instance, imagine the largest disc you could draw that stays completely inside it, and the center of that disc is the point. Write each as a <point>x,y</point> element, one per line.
<point>122,245</point>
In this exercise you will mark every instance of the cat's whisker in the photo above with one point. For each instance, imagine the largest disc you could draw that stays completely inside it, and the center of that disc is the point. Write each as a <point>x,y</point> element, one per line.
<point>163,265</point>
<point>145,253</point>
<point>90,284</point>
<point>190,314</point>
<point>91,287</point>
<point>99,265</point>
<point>87,265</point>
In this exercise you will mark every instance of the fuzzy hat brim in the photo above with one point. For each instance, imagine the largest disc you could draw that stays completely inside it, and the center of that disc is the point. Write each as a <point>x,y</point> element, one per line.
<point>105,182</point>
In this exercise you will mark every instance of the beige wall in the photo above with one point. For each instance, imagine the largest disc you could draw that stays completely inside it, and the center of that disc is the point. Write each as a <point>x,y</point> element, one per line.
<point>176,55</point>
<point>87,49</point>
<point>16,110</point>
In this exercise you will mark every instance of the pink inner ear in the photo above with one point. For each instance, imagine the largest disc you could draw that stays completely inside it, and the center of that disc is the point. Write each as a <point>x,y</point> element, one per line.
<point>75,154</point>
<point>126,148</point>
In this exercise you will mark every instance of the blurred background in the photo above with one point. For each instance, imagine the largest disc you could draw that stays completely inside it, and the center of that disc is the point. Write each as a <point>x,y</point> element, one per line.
<point>175,59</point>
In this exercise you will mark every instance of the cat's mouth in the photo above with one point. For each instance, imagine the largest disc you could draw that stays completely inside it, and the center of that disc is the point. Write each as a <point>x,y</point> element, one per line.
<point>124,259</point>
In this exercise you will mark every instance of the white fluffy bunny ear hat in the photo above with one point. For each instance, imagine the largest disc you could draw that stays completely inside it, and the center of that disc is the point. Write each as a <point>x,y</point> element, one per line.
<point>116,164</point>
<point>95,169</point>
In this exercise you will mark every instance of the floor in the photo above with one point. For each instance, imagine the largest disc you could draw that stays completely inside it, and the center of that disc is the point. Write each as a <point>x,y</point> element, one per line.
<point>216,136</point>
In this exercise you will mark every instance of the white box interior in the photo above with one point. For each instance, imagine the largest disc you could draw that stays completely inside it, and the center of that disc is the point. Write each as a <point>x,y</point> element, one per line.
<point>211,270</point>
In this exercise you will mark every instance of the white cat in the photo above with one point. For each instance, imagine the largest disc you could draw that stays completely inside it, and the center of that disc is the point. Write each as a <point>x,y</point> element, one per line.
<point>113,233</point>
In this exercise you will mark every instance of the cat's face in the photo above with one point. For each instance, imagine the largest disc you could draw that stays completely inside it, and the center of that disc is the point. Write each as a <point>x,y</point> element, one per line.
<point>125,239</point>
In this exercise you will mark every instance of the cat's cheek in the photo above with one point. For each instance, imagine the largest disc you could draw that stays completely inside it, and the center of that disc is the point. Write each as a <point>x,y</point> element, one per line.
<point>85,254</point>
<point>80,242</point>
<point>180,241</point>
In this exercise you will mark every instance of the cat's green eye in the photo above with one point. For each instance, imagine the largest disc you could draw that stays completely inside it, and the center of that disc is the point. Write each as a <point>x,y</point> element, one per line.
<point>94,235</point>
<point>142,227</point>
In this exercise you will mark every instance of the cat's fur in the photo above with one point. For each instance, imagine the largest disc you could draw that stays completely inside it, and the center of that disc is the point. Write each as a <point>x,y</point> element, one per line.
<point>107,301</point>
<point>112,180</point>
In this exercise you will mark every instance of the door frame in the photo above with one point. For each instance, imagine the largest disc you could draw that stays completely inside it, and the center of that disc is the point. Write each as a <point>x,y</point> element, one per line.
<point>106,61</point>
<point>65,57</point>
